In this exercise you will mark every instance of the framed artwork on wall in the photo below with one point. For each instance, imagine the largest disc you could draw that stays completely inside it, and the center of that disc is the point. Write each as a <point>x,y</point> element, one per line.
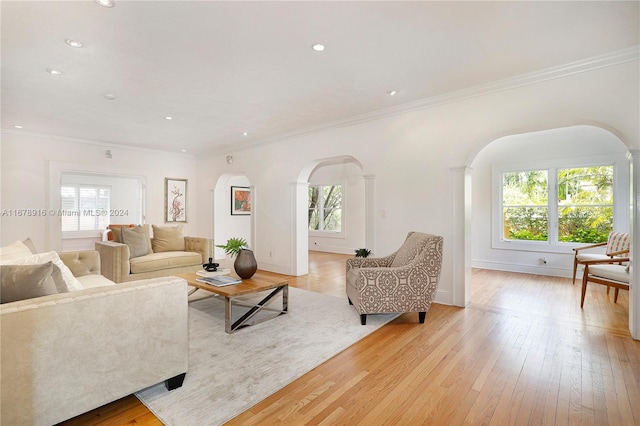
<point>175,200</point>
<point>240,200</point>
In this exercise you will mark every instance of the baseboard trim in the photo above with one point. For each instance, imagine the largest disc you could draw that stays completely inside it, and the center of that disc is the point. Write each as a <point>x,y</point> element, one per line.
<point>524,269</point>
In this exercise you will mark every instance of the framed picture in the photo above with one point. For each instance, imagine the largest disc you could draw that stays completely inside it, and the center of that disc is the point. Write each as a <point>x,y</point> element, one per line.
<point>175,200</point>
<point>240,200</point>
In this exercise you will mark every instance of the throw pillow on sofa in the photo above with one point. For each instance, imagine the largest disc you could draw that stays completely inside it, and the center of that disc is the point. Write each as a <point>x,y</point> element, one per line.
<point>136,239</point>
<point>167,238</point>
<point>15,250</point>
<point>19,282</point>
<point>64,280</point>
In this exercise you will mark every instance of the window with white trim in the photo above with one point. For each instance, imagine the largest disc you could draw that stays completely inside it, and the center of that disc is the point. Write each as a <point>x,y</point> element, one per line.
<point>325,208</point>
<point>84,207</point>
<point>555,204</point>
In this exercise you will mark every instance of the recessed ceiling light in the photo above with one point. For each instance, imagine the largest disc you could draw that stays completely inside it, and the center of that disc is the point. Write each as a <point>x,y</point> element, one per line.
<point>54,71</point>
<point>109,96</point>
<point>318,47</point>
<point>183,150</point>
<point>168,117</point>
<point>105,3</point>
<point>73,43</point>
<point>17,126</point>
<point>245,133</point>
<point>392,92</point>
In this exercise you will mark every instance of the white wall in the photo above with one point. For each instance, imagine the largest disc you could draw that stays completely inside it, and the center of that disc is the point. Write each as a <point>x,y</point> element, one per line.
<point>412,155</point>
<point>31,168</point>
<point>350,176</point>
<point>571,143</point>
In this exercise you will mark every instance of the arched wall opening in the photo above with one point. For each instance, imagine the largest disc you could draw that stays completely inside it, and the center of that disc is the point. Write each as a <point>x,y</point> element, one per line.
<point>466,208</point>
<point>225,224</point>
<point>300,195</point>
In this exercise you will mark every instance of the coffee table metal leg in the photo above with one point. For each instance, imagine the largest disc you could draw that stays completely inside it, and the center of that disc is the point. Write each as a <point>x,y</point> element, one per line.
<point>242,321</point>
<point>227,315</point>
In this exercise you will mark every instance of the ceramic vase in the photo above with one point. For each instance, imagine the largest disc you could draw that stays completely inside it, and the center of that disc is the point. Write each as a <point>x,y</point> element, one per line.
<point>245,264</point>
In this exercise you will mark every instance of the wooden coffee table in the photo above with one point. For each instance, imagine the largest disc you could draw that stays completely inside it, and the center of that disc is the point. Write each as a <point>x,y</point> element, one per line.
<point>256,284</point>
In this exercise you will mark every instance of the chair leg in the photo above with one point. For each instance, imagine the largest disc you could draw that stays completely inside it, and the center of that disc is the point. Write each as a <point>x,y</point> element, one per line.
<point>421,317</point>
<point>615,298</point>
<point>363,319</point>
<point>584,287</point>
<point>350,302</point>
<point>575,268</point>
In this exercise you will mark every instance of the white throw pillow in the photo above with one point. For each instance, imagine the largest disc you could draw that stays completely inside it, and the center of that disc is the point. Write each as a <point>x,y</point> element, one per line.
<point>71,282</point>
<point>14,250</point>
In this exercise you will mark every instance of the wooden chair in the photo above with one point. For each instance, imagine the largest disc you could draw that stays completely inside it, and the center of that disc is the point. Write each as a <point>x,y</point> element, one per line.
<point>617,244</point>
<point>607,272</point>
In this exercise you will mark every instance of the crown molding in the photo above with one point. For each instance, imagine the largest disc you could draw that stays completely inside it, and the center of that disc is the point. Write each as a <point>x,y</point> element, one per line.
<point>90,142</point>
<point>616,57</point>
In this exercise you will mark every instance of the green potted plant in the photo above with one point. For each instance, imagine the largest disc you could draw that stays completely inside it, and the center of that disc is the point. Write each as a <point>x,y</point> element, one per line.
<point>245,263</point>
<point>233,246</point>
<point>363,252</point>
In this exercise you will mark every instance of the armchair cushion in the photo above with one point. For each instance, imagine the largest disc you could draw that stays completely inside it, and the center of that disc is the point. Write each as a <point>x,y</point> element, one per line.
<point>409,250</point>
<point>167,238</point>
<point>20,282</point>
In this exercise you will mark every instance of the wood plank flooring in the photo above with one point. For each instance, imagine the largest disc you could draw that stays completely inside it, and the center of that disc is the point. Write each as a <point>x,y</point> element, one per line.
<point>523,352</point>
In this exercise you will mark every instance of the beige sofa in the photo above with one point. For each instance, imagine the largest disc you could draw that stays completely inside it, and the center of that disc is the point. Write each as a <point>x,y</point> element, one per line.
<point>118,266</point>
<point>65,354</point>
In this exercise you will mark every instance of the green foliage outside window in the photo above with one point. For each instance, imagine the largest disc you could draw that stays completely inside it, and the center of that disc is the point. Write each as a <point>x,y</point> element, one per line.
<point>325,208</point>
<point>585,205</point>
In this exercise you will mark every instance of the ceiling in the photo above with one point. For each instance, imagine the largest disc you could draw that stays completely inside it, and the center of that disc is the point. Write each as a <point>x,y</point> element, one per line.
<point>224,68</point>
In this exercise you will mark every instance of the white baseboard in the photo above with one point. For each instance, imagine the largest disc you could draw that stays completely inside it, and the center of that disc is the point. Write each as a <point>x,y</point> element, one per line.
<point>525,269</point>
<point>330,249</point>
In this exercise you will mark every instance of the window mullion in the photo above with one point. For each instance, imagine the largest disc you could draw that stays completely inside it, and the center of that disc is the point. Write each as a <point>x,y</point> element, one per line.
<point>552,202</point>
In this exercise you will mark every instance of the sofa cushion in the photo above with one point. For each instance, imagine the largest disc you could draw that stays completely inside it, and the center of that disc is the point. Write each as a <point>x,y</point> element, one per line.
<point>167,238</point>
<point>164,260</point>
<point>136,239</point>
<point>15,250</point>
<point>64,280</point>
<point>95,280</point>
<point>20,282</point>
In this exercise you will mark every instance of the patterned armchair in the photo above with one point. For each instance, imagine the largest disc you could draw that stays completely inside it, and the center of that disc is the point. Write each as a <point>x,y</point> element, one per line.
<point>405,281</point>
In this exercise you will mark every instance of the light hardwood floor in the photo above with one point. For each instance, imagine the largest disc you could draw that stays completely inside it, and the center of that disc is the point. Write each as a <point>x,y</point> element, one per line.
<point>523,352</point>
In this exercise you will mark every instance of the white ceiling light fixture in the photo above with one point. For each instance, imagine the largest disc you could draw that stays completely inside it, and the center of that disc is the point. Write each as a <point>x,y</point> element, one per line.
<point>110,96</point>
<point>54,71</point>
<point>17,126</point>
<point>168,117</point>
<point>105,3</point>
<point>183,150</point>
<point>73,43</point>
<point>245,133</point>
<point>318,47</point>
<point>392,92</point>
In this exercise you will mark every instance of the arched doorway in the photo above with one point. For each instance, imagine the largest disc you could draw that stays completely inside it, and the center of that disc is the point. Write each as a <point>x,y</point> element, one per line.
<point>300,196</point>
<point>463,206</point>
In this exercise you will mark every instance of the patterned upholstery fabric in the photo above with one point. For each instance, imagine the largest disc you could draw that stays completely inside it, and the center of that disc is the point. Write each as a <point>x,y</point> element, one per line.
<point>405,281</point>
<point>617,242</point>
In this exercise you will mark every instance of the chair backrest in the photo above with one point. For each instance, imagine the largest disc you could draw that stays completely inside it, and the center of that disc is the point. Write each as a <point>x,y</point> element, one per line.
<point>617,241</point>
<point>410,249</point>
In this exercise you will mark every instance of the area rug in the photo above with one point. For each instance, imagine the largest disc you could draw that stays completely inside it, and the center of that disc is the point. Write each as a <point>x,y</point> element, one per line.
<point>229,373</point>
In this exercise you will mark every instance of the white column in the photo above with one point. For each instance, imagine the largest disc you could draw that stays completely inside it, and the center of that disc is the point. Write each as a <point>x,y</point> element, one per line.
<point>299,229</point>
<point>634,292</point>
<point>370,212</point>
<point>461,241</point>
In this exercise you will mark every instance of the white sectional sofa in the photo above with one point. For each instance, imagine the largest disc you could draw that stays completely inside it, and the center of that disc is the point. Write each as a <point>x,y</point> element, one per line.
<point>68,353</point>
